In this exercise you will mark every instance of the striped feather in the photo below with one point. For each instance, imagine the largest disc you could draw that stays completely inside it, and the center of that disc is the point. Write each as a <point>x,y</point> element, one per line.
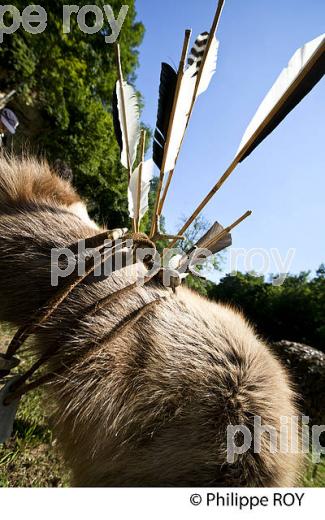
<point>210,66</point>
<point>197,51</point>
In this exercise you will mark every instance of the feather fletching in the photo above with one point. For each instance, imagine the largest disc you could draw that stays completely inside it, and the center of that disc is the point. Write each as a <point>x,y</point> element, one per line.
<point>210,239</point>
<point>167,89</point>
<point>211,242</point>
<point>304,70</point>
<point>127,125</point>
<point>116,120</point>
<point>182,111</point>
<point>197,51</point>
<point>146,176</point>
<point>186,97</point>
<point>209,67</point>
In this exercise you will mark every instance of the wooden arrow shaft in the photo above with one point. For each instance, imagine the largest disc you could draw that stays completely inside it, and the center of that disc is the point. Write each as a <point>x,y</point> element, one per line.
<point>212,32</point>
<point>205,201</point>
<point>139,190</point>
<point>124,119</point>
<point>180,74</point>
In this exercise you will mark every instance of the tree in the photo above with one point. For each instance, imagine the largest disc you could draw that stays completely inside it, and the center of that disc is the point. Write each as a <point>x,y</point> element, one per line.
<point>64,86</point>
<point>293,311</point>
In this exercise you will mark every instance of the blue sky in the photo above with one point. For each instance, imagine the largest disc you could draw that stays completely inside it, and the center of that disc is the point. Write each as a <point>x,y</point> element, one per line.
<point>283,181</point>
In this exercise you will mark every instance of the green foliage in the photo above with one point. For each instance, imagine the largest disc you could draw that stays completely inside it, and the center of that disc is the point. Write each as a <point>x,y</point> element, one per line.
<point>294,311</point>
<point>200,285</point>
<point>66,81</point>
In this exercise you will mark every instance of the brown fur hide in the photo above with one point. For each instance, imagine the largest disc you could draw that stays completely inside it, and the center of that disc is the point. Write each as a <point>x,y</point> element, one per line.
<point>151,407</point>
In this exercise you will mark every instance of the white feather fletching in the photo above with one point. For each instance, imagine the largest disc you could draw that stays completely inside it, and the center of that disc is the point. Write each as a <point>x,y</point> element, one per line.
<point>146,176</point>
<point>296,64</point>
<point>132,117</point>
<point>210,66</point>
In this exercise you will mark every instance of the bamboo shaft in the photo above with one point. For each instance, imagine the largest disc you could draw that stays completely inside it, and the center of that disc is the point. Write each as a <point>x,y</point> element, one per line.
<point>241,154</point>
<point>222,234</point>
<point>209,196</point>
<point>142,148</point>
<point>213,29</point>
<point>170,128</point>
<point>164,195</point>
<point>197,84</point>
<point>120,78</point>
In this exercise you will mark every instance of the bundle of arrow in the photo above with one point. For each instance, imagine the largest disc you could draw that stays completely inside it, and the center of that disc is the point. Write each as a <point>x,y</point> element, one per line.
<point>178,93</point>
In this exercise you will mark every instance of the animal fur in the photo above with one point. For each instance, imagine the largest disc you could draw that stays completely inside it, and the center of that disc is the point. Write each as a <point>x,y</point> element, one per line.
<point>151,406</point>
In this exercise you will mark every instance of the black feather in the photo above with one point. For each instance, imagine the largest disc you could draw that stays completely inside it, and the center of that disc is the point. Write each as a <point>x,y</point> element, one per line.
<point>167,89</point>
<point>116,120</point>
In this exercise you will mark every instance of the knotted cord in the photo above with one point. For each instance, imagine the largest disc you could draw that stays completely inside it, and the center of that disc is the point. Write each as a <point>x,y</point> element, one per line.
<point>43,314</point>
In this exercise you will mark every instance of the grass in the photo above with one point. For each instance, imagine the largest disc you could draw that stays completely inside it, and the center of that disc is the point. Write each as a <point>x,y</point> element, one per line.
<point>315,475</point>
<point>29,458</point>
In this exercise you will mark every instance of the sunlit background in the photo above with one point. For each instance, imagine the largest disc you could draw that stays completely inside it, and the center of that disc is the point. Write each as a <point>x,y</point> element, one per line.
<point>283,181</point>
